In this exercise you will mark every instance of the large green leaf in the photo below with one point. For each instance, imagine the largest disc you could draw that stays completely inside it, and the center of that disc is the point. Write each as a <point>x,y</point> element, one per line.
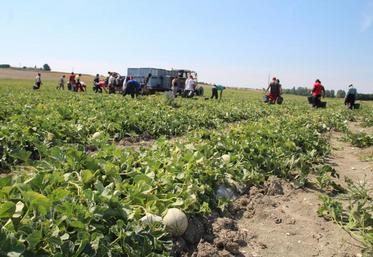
<point>38,201</point>
<point>7,210</point>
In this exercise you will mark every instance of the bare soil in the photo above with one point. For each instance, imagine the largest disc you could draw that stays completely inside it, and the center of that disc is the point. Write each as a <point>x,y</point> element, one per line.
<point>280,223</point>
<point>346,159</point>
<point>12,73</point>
<point>277,220</point>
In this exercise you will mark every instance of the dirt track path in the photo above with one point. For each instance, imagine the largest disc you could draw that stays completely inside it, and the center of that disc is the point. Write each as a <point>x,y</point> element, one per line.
<point>280,221</point>
<point>347,160</point>
<point>307,234</point>
<point>288,226</point>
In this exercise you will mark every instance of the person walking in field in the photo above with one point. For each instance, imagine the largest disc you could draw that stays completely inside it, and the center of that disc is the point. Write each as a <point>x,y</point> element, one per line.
<point>351,97</point>
<point>71,85</point>
<point>189,87</point>
<point>274,90</point>
<point>318,91</point>
<point>61,83</point>
<point>215,91</point>
<point>38,82</point>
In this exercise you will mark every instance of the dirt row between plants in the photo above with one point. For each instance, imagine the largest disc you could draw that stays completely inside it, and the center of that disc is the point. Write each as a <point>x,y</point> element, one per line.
<point>276,220</point>
<point>147,141</point>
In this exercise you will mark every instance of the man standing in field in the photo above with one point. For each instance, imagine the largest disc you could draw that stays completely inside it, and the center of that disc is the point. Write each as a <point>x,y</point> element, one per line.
<point>111,82</point>
<point>189,87</point>
<point>71,85</point>
<point>61,83</point>
<point>174,87</point>
<point>37,82</point>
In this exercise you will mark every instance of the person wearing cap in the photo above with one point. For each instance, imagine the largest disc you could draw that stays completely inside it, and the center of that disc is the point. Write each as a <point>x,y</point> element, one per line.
<point>351,97</point>
<point>274,90</point>
<point>318,91</point>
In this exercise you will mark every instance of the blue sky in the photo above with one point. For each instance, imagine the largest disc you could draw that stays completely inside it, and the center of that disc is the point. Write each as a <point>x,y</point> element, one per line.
<point>233,42</point>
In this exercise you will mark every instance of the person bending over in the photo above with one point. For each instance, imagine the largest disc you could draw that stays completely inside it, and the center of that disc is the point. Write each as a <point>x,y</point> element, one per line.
<point>351,97</point>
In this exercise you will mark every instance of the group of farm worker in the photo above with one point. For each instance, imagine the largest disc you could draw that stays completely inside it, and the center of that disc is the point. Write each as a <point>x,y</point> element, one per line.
<point>274,92</point>
<point>129,85</point>
<point>132,87</point>
<point>318,91</point>
<point>74,84</point>
<point>189,89</point>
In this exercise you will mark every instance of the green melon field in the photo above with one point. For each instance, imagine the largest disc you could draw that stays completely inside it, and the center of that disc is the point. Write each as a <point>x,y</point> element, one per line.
<point>79,171</point>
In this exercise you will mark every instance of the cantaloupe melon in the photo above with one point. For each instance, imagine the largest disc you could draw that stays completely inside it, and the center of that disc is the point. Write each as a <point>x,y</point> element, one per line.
<point>176,221</point>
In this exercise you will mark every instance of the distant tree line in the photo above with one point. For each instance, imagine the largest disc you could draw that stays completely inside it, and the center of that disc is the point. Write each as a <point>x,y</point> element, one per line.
<point>45,67</point>
<point>304,91</point>
<point>365,97</point>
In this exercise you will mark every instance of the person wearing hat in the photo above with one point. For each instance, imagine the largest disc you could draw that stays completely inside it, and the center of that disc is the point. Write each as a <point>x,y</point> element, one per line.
<point>274,90</point>
<point>351,97</point>
<point>318,91</point>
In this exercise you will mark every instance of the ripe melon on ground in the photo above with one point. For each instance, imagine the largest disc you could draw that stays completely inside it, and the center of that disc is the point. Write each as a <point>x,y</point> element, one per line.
<point>176,221</point>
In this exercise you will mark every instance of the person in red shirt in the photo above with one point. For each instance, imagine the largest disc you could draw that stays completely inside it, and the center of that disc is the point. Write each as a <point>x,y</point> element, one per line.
<point>317,91</point>
<point>71,85</point>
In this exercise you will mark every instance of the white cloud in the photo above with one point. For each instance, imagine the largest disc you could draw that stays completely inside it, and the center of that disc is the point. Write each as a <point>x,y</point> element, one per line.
<point>366,22</point>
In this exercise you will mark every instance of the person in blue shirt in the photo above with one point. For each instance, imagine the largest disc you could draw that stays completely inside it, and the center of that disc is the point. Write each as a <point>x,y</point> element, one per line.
<point>351,97</point>
<point>132,87</point>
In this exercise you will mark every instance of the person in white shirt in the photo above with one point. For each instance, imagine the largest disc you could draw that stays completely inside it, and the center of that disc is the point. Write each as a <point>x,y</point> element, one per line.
<point>37,82</point>
<point>111,83</point>
<point>189,87</point>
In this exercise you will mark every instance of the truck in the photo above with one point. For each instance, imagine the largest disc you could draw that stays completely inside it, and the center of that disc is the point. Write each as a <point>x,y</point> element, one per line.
<point>153,79</point>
